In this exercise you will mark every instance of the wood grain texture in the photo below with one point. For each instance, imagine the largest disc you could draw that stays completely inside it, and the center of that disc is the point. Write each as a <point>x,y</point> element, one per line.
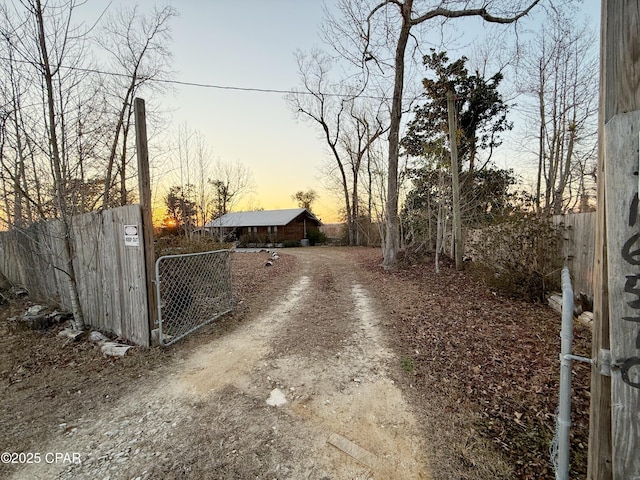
<point>355,451</point>
<point>599,454</point>
<point>579,247</point>
<point>146,226</point>
<point>621,62</point>
<point>621,135</point>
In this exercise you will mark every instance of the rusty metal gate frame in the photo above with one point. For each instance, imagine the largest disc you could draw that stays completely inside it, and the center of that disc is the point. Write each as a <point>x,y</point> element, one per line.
<point>193,290</point>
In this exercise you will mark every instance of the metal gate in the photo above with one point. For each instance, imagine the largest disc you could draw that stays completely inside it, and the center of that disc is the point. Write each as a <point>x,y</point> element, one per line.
<point>193,290</point>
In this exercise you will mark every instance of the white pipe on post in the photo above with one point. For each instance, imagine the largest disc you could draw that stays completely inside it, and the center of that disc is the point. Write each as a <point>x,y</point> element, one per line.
<point>564,409</point>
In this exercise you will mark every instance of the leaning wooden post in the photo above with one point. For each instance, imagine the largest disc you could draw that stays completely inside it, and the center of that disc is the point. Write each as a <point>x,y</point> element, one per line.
<point>617,275</point>
<point>144,187</point>
<point>455,182</point>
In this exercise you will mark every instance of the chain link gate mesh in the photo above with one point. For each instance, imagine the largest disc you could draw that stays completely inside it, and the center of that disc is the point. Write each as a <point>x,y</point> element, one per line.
<point>193,290</point>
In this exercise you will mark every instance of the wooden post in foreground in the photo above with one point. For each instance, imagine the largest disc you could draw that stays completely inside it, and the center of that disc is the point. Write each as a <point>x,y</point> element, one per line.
<point>144,187</point>
<point>617,263</point>
<point>599,454</point>
<point>455,182</point>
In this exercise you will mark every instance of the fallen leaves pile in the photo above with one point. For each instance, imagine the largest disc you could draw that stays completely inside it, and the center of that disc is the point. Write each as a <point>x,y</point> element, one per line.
<point>497,357</point>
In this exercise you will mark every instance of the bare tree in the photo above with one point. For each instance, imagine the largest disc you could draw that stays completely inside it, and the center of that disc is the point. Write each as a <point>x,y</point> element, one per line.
<point>204,171</point>
<point>26,167</point>
<point>54,120</point>
<point>190,153</point>
<point>50,76</point>
<point>137,46</point>
<point>213,187</point>
<point>231,182</point>
<point>348,128</point>
<point>561,75</point>
<point>326,110</point>
<point>93,109</point>
<point>363,130</point>
<point>368,28</point>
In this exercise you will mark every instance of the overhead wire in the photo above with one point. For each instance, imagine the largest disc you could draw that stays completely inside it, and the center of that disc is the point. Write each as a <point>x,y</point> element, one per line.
<point>209,85</point>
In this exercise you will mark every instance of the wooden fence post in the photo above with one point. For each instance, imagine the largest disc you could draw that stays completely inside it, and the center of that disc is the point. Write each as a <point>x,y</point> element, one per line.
<point>144,187</point>
<point>615,425</point>
<point>455,183</point>
<point>599,454</point>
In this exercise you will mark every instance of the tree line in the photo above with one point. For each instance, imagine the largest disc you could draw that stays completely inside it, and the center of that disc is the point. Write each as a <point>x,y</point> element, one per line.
<point>204,188</point>
<point>390,145</point>
<point>65,125</point>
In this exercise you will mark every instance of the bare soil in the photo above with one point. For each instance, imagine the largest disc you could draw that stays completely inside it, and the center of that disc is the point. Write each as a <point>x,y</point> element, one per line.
<point>328,368</point>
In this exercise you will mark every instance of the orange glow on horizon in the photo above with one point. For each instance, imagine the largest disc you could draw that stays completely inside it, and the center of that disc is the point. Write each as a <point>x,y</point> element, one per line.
<point>325,208</point>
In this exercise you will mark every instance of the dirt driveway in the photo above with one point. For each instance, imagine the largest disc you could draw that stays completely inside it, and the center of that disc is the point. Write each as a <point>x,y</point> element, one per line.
<point>301,391</point>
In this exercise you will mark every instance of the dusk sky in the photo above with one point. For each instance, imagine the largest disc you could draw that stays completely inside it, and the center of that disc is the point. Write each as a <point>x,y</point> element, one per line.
<point>251,44</point>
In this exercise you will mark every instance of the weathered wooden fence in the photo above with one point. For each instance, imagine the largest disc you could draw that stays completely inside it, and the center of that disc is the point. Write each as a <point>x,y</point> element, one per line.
<point>578,248</point>
<point>109,265</point>
<point>576,251</point>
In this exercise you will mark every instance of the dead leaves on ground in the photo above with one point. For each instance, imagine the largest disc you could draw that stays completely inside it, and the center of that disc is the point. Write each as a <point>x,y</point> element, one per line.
<point>496,356</point>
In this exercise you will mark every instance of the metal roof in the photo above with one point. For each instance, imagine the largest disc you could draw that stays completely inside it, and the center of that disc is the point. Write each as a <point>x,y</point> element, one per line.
<point>262,218</point>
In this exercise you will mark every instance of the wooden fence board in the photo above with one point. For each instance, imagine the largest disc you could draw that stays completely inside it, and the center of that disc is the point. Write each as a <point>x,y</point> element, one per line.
<point>621,134</point>
<point>87,249</point>
<point>131,291</point>
<point>111,272</point>
<point>579,248</point>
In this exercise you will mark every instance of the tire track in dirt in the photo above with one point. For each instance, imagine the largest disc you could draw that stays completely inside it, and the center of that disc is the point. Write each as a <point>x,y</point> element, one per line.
<point>343,386</point>
<point>320,346</point>
<point>234,355</point>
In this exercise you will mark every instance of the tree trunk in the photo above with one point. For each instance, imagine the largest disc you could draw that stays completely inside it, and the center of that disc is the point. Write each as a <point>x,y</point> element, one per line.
<point>541,148</point>
<point>19,171</point>
<point>369,198</point>
<point>108,179</point>
<point>343,178</point>
<point>566,173</point>
<point>356,214</point>
<point>78,319</point>
<point>392,241</point>
<point>439,234</point>
<point>123,161</point>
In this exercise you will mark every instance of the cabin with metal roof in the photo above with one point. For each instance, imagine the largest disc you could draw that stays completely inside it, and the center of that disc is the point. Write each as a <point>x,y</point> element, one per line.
<point>266,226</point>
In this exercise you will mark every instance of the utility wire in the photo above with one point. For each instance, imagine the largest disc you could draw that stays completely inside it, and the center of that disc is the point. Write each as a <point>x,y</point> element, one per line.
<point>208,85</point>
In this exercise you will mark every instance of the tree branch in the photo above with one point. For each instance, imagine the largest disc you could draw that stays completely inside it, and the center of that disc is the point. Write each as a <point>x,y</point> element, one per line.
<point>474,12</point>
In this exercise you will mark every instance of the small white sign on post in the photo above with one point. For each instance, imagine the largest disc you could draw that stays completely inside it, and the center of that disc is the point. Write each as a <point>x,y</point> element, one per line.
<point>131,236</point>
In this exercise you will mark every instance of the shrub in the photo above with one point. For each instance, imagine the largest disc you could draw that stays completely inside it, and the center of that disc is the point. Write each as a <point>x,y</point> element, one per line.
<point>518,258</point>
<point>251,239</point>
<point>290,243</point>
<point>316,237</point>
<point>174,245</point>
